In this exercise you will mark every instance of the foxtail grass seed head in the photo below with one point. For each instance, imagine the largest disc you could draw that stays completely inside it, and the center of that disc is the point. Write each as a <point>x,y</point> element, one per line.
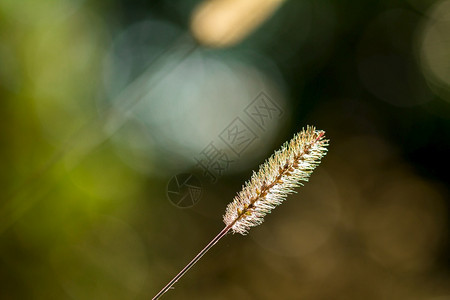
<point>276,178</point>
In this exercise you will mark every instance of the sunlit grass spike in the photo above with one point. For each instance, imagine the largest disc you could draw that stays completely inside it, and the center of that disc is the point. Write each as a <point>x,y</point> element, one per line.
<point>285,170</point>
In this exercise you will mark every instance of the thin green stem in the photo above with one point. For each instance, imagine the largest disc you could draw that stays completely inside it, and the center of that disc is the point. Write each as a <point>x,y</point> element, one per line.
<point>193,261</point>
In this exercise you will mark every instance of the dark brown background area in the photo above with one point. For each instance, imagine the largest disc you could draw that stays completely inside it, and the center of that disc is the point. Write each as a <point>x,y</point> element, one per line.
<point>81,220</point>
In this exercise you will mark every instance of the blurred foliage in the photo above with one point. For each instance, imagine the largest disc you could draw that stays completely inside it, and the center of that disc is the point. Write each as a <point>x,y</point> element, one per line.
<point>102,102</point>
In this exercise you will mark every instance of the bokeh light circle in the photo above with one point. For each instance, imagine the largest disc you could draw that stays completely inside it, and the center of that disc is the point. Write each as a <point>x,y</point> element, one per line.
<point>434,45</point>
<point>180,97</point>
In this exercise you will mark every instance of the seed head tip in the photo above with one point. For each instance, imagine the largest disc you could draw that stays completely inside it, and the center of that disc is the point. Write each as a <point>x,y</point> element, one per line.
<point>277,177</point>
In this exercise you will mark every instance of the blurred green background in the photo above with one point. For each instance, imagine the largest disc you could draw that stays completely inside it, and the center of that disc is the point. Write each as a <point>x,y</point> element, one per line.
<point>102,102</point>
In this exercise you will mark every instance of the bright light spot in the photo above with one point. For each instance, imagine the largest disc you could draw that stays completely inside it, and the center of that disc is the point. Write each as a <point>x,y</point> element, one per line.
<point>435,49</point>
<point>223,23</point>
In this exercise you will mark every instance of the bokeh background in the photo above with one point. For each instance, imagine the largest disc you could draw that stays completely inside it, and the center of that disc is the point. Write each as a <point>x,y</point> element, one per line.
<point>102,102</point>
